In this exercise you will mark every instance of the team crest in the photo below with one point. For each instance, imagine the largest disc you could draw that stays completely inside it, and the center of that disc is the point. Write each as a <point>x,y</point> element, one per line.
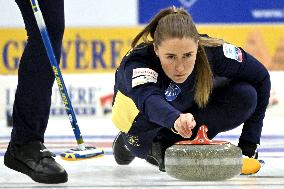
<point>133,140</point>
<point>172,92</point>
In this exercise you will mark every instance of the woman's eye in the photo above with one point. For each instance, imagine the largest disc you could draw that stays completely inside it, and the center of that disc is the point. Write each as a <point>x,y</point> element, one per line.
<point>170,57</point>
<point>187,55</point>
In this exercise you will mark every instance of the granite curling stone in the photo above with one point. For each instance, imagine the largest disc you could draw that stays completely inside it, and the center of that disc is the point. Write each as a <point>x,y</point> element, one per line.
<point>203,159</point>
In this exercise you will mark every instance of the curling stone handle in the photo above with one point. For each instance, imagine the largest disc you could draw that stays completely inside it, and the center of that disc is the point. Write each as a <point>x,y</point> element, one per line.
<point>202,138</point>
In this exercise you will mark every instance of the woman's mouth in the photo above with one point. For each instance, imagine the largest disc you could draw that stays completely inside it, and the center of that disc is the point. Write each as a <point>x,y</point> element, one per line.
<point>179,75</point>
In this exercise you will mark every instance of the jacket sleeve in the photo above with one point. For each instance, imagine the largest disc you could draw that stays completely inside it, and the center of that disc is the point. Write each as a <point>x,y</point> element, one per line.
<point>246,68</point>
<point>148,96</point>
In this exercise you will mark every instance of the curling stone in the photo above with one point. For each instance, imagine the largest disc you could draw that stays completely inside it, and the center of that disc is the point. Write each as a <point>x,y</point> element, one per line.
<point>203,159</point>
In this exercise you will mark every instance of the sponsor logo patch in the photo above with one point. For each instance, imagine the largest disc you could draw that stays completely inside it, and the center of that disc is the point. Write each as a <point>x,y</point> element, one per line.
<point>232,52</point>
<point>143,75</point>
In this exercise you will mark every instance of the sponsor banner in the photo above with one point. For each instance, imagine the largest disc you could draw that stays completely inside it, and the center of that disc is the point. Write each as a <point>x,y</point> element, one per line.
<point>223,11</point>
<point>89,96</point>
<point>265,42</point>
<point>84,50</point>
<point>97,50</point>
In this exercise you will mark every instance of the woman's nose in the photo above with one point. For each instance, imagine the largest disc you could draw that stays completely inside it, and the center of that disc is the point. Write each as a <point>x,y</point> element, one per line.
<point>179,66</point>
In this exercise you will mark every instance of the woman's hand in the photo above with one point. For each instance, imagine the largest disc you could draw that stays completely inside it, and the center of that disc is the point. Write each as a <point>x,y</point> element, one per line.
<point>184,124</point>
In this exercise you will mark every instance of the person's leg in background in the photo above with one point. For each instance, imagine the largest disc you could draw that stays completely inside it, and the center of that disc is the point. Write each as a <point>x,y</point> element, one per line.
<point>33,97</point>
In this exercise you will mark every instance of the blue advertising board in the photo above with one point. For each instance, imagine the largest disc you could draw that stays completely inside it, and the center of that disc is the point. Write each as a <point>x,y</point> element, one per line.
<point>219,11</point>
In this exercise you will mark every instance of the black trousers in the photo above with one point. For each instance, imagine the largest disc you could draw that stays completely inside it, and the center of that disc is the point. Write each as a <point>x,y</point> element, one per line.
<point>35,77</point>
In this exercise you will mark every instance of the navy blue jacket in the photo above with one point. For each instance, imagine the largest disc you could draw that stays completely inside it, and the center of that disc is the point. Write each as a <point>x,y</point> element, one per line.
<point>142,100</point>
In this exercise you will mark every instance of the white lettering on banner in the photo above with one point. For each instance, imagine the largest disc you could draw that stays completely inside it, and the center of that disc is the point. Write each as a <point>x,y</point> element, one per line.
<point>79,111</point>
<point>187,3</point>
<point>144,72</point>
<point>88,95</point>
<point>268,13</point>
<point>232,52</point>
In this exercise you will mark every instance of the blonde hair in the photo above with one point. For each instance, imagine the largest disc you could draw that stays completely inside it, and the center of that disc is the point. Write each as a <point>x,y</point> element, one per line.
<point>177,23</point>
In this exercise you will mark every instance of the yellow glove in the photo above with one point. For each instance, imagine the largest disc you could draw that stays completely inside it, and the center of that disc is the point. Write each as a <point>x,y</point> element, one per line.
<point>250,166</point>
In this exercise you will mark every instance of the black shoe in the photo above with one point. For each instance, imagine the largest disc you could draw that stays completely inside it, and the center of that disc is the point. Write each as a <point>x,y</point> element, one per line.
<point>156,155</point>
<point>34,160</point>
<point>121,154</point>
<point>248,148</point>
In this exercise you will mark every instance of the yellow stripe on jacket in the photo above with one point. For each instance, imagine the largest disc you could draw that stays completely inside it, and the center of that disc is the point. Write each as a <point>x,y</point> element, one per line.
<point>124,111</point>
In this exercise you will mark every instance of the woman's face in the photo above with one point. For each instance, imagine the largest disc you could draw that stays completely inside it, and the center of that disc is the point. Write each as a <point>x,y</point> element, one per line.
<point>177,57</point>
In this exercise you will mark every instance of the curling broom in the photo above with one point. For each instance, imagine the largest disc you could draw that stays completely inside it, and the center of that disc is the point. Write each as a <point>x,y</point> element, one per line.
<point>81,152</point>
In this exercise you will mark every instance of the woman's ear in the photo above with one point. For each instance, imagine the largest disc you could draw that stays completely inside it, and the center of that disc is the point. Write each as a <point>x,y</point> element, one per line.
<point>197,43</point>
<point>156,50</point>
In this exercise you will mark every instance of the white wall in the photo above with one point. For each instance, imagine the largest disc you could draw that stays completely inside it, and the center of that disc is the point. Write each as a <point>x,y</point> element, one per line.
<point>81,13</point>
